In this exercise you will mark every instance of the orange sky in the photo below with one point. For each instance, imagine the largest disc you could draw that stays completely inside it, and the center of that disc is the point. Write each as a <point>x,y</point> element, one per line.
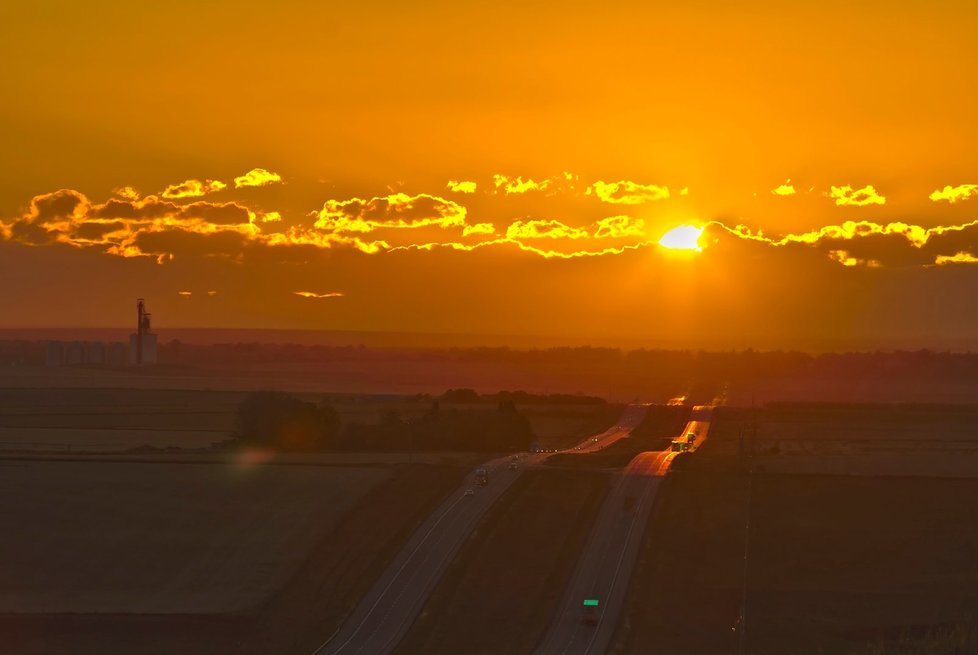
<point>496,169</point>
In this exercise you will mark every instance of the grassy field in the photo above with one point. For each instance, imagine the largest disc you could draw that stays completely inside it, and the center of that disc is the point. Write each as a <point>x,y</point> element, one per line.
<point>503,589</point>
<point>328,578</point>
<point>869,561</point>
<point>115,420</point>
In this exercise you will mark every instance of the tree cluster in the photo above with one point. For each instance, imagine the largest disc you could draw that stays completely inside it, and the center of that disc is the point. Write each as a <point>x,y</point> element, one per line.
<point>498,430</point>
<point>271,419</point>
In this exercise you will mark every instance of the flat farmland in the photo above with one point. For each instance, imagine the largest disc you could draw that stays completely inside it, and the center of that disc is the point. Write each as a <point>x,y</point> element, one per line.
<point>863,532</point>
<point>114,420</point>
<point>294,617</point>
<point>880,439</point>
<point>503,588</point>
<point>151,538</point>
<point>836,563</point>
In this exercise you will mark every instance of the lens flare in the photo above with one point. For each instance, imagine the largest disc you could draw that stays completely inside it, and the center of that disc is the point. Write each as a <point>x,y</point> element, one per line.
<point>683,237</point>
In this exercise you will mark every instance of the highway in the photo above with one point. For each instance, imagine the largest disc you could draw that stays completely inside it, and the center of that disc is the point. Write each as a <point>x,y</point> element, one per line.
<point>605,566</point>
<point>391,605</point>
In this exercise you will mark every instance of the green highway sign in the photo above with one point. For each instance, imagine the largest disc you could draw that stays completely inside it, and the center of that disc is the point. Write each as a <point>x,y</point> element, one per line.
<point>590,602</point>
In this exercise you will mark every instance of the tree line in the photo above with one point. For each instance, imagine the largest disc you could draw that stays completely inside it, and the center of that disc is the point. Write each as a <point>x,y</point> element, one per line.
<point>279,421</point>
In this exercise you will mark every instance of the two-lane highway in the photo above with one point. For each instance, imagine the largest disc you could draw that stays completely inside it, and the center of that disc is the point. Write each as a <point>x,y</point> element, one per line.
<point>594,598</point>
<point>389,608</point>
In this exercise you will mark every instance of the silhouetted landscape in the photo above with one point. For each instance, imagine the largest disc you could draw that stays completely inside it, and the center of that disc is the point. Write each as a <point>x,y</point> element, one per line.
<point>378,328</point>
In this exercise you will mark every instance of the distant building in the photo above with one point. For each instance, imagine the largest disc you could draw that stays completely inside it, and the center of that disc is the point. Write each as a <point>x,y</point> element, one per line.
<point>74,353</point>
<point>142,348</point>
<point>149,349</point>
<point>94,353</point>
<point>117,355</point>
<point>142,344</point>
<point>54,353</point>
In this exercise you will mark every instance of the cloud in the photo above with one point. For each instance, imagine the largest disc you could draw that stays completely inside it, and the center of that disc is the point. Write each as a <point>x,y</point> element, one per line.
<point>120,226</point>
<point>318,296</point>
<point>461,186</point>
<point>956,258</point>
<point>126,193</point>
<point>479,228</point>
<point>256,177</point>
<point>849,197</point>
<point>541,229</point>
<point>152,226</point>
<point>517,185</point>
<point>870,244</point>
<point>193,189</point>
<point>786,189</point>
<point>616,227</point>
<point>627,193</point>
<point>398,210</point>
<point>954,194</point>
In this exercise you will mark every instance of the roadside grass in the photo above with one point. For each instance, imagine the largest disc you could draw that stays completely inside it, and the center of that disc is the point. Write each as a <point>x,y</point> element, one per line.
<point>503,588</point>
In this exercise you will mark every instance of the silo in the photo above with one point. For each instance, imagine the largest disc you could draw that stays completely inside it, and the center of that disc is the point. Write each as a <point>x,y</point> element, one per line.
<point>117,355</point>
<point>95,353</point>
<point>54,353</point>
<point>74,353</point>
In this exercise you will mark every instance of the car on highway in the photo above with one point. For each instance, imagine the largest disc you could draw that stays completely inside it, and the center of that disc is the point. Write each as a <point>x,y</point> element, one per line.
<point>512,466</point>
<point>470,492</point>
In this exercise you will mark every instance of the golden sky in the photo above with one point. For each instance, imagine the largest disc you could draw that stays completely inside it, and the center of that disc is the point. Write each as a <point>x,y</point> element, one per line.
<point>506,168</point>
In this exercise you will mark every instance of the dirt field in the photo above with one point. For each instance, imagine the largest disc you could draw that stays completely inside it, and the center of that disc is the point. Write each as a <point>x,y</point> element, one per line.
<point>115,420</point>
<point>502,590</point>
<point>294,618</point>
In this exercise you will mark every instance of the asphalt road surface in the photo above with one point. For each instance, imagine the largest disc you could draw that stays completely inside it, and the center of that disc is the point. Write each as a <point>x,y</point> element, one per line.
<point>389,608</point>
<point>606,564</point>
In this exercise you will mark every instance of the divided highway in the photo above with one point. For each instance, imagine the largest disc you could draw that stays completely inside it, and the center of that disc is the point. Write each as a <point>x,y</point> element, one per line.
<point>389,608</point>
<point>605,566</point>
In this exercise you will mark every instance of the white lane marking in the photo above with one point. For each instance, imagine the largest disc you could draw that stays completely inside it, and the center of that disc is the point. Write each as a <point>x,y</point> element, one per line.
<point>614,579</point>
<point>393,580</point>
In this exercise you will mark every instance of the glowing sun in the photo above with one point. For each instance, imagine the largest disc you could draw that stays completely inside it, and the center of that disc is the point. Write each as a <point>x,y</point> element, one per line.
<point>684,237</point>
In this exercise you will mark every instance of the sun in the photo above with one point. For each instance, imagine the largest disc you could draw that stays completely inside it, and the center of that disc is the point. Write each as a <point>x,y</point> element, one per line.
<point>683,237</point>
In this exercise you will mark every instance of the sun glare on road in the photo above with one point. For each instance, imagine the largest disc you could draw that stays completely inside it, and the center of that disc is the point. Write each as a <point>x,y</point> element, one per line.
<point>684,237</point>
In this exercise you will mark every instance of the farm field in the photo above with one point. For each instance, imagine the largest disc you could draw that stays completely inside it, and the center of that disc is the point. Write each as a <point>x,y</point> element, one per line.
<point>894,439</point>
<point>315,584</point>
<point>162,538</point>
<point>850,546</point>
<point>114,420</point>
<point>836,562</point>
<point>502,590</point>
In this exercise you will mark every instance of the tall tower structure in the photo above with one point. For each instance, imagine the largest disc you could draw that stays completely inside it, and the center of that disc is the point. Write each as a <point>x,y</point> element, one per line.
<point>142,343</point>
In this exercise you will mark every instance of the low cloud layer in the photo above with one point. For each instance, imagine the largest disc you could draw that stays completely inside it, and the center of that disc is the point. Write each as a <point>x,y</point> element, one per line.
<point>177,223</point>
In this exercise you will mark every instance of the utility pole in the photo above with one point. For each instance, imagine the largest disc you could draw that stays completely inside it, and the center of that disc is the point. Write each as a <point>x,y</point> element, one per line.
<point>140,308</point>
<point>742,645</point>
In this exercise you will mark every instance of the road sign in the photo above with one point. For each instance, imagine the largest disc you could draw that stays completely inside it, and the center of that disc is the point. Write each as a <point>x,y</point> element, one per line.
<point>590,602</point>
